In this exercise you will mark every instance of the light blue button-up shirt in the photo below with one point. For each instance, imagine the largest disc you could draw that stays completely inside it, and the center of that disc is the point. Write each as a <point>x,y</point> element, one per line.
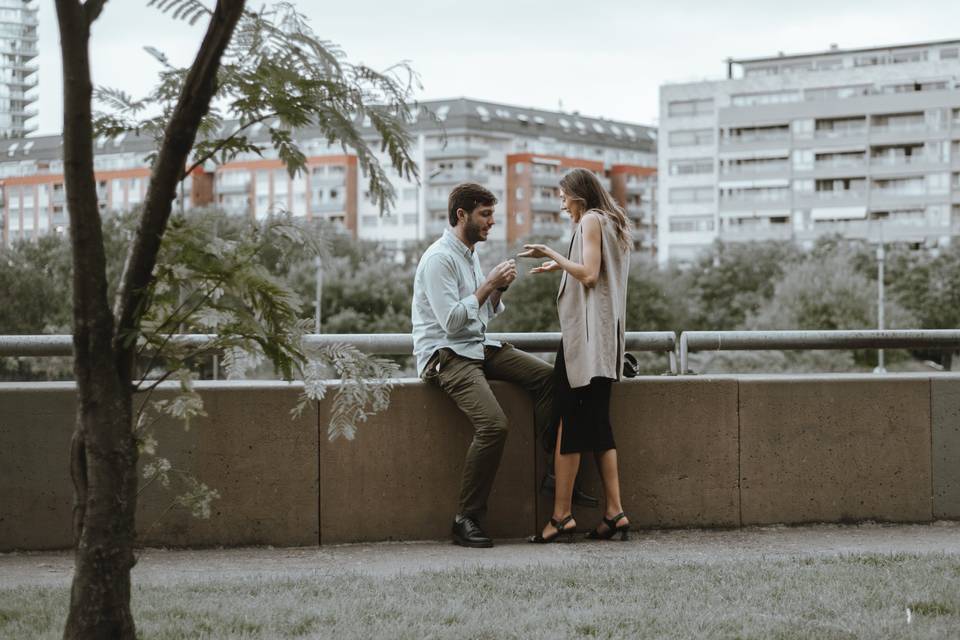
<point>445,310</point>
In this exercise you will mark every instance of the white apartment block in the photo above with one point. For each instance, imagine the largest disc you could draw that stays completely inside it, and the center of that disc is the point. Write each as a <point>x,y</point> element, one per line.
<point>862,142</point>
<point>18,73</point>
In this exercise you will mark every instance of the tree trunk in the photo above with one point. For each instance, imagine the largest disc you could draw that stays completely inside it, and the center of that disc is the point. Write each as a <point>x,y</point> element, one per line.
<point>103,451</point>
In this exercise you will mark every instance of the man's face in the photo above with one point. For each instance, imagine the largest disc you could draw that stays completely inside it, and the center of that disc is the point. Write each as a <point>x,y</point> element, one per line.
<point>477,223</point>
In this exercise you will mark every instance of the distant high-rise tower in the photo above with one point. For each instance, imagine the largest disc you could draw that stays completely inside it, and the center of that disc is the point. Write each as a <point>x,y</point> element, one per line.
<point>18,77</point>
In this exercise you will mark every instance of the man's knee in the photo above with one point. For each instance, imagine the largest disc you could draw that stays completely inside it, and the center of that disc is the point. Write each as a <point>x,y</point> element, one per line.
<point>494,428</point>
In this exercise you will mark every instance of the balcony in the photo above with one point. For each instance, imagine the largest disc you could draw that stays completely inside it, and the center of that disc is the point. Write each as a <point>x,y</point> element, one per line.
<point>906,132</point>
<point>456,176</point>
<point>847,165</point>
<point>754,204</point>
<point>328,207</point>
<point>233,187</point>
<point>551,205</point>
<point>754,141</point>
<point>551,229</point>
<point>836,197</point>
<point>436,204</point>
<point>455,151</point>
<point>328,179</point>
<point>901,197</point>
<point>756,233</point>
<point>841,133</point>
<point>436,227</point>
<point>757,169</point>
<point>545,179</point>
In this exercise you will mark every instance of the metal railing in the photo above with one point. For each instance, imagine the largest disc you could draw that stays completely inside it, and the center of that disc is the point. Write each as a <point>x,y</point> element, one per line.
<point>800,340</point>
<point>371,343</point>
<point>651,341</point>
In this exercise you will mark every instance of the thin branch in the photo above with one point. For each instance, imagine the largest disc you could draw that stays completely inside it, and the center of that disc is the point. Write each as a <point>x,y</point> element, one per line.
<point>169,336</point>
<point>156,383</point>
<point>178,139</point>
<point>223,143</point>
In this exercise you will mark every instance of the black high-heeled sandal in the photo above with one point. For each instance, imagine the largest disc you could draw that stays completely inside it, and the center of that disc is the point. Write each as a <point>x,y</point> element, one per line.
<point>562,535</point>
<point>612,529</point>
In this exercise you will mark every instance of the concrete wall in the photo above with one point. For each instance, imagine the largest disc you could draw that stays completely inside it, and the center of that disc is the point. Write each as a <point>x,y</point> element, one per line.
<point>694,451</point>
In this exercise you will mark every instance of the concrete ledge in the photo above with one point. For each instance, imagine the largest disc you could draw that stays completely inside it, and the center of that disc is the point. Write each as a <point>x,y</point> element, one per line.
<point>36,494</point>
<point>264,465</point>
<point>945,446</point>
<point>835,449</point>
<point>677,453</point>
<point>400,478</point>
<point>694,451</point>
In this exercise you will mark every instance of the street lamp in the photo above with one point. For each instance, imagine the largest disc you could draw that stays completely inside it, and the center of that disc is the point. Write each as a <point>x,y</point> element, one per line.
<point>316,315</point>
<point>880,261</point>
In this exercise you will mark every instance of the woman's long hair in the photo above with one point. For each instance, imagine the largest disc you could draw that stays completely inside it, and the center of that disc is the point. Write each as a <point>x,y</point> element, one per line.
<point>582,185</point>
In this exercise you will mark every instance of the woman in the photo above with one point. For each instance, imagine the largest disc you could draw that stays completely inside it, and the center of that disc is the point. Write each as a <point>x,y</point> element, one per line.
<point>592,308</point>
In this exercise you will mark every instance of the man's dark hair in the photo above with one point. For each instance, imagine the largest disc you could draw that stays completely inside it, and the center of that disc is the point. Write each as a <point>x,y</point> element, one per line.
<point>468,196</point>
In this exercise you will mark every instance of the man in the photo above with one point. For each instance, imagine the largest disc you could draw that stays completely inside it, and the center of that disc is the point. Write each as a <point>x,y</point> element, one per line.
<point>453,302</point>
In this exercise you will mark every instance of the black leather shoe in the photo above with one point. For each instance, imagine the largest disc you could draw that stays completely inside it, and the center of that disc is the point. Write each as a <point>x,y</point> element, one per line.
<point>549,484</point>
<point>467,533</point>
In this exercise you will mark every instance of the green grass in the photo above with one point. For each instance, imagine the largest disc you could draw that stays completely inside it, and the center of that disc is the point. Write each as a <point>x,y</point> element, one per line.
<point>862,596</point>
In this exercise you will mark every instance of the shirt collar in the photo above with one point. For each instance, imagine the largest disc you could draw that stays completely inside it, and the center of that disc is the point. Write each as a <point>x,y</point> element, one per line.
<point>454,242</point>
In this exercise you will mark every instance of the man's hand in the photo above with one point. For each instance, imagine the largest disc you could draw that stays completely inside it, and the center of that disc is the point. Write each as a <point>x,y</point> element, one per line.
<point>502,274</point>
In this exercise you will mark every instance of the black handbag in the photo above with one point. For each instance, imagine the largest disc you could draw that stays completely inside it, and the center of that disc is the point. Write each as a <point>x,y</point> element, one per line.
<point>631,368</point>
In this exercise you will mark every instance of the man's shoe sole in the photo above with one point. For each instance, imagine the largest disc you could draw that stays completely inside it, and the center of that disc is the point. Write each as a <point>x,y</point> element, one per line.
<point>473,545</point>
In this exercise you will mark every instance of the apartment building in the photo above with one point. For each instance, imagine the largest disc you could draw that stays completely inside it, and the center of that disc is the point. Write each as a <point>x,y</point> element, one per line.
<point>862,142</point>
<point>519,154</point>
<point>18,76</point>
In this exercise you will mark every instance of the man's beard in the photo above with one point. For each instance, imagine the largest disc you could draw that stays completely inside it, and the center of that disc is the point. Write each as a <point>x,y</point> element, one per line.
<point>474,232</point>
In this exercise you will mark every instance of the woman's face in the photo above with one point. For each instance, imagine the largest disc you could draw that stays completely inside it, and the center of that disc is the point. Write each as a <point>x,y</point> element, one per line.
<point>570,205</point>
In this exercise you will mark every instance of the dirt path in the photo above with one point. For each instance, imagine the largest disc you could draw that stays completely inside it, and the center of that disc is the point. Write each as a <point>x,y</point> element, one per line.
<point>160,566</point>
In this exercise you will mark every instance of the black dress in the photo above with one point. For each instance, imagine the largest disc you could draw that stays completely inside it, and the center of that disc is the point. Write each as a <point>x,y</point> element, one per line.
<point>585,413</point>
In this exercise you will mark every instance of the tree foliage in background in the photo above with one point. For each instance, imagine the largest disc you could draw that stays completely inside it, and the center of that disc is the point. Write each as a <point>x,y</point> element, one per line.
<point>730,281</point>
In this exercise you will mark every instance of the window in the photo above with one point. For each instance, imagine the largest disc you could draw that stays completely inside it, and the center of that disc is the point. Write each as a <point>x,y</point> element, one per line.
<point>802,128</point>
<point>691,194</point>
<point>766,97</point>
<point>691,224</point>
<point>803,159</point>
<point>696,107</point>
<point>519,193</point>
<point>519,167</point>
<point>938,183</point>
<point>949,54</point>
<point>690,137</point>
<point>691,166</point>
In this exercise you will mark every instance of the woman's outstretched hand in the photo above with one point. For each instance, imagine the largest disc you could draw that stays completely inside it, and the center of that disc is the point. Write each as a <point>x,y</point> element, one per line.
<point>549,265</point>
<point>535,251</point>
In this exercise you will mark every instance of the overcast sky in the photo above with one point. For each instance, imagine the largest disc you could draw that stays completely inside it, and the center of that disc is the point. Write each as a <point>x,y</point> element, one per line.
<point>601,57</point>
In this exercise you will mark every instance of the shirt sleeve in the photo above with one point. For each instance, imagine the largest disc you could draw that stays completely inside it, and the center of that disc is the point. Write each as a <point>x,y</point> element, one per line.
<point>443,294</point>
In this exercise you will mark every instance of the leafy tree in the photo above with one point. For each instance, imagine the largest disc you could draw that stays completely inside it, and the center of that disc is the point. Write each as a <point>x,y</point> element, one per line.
<point>263,67</point>
<point>733,280</point>
<point>826,293</point>
<point>654,303</point>
<point>928,286</point>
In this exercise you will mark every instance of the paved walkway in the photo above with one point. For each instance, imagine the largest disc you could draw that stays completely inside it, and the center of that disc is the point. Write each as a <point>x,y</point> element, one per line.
<point>160,566</point>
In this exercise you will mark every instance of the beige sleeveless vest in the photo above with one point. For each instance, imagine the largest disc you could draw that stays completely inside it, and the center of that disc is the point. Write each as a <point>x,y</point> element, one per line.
<point>592,320</point>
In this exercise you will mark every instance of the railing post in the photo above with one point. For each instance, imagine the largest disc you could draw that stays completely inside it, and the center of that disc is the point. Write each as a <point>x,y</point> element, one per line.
<point>683,353</point>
